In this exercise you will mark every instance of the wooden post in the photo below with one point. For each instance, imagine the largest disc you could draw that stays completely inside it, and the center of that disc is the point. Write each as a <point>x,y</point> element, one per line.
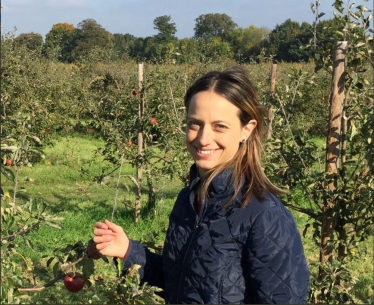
<point>140,143</point>
<point>270,122</point>
<point>273,76</point>
<point>332,151</point>
<point>273,79</point>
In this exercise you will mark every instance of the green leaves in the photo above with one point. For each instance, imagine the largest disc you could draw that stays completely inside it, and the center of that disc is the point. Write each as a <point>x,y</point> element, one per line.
<point>8,173</point>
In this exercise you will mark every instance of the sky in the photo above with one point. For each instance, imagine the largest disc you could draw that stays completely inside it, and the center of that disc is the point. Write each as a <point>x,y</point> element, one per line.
<point>136,16</point>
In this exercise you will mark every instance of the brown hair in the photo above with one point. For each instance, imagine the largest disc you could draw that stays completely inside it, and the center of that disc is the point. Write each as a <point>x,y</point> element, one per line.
<point>234,85</point>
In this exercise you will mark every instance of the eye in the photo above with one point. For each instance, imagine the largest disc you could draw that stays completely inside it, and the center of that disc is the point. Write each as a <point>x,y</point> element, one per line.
<point>193,125</point>
<point>220,127</point>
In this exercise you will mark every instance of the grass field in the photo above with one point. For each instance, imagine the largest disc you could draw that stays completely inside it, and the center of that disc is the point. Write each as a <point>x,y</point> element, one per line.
<point>65,182</point>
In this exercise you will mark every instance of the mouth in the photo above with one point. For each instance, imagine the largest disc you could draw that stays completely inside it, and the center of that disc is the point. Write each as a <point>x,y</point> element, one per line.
<point>206,152</point>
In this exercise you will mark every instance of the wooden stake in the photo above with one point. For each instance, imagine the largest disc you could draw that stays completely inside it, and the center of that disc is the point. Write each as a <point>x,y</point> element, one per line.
<point>273,79</point>
<point>336,109</point>
<point>273,76</point>
<point>140,142</point>
<point>332,151</point>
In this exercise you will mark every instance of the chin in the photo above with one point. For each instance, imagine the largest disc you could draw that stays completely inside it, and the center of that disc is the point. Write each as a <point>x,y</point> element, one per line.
<point>203,167</point>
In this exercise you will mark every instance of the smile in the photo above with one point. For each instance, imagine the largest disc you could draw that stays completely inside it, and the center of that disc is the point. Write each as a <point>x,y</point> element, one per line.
<point>206,152</point>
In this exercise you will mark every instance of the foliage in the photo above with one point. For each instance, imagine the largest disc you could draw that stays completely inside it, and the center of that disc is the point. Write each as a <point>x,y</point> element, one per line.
<point>89,35</point>
<point>16,223</point>
<point>35,92</point>
<point>297,161</point>
<point>32,41</point>
<point>22,147</point>
<point>119,124</point>
<point>59,42</point>
<point>129,290</point>
<point>124,45</point>
<point>289,41</point>
<point>285,40</point>
<point>166,29</point>
<point>214,25</point>
<point>245,40</point>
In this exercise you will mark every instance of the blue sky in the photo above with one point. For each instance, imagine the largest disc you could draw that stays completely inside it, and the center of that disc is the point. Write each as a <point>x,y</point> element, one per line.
<point>136,16</point>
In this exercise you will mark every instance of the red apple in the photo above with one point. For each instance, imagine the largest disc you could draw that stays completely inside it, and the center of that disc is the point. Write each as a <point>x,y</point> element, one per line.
<point>135,92</point>
<point>8,162</point>
<point>130,143</point>
<point>153,121</point>
<point>74,282</point>
<point>92,252</point>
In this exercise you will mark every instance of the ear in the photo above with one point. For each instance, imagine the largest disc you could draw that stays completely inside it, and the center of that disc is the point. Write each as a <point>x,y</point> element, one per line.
<point>247,129</point>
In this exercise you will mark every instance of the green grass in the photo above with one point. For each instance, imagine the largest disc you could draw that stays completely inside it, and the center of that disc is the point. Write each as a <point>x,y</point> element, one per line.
<point>64,180</point>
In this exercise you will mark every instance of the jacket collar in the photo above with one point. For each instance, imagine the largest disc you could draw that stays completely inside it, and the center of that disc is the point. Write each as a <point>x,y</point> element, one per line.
<point>220,186</point>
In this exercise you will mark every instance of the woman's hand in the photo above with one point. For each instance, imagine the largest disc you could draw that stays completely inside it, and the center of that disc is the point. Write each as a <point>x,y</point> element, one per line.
<point>110,239</point>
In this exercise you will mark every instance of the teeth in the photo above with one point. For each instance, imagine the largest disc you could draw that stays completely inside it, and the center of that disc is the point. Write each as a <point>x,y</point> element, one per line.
<point>206,152</point>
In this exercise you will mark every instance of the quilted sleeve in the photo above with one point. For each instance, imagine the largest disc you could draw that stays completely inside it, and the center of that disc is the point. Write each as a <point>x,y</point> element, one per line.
<point>151,264</point>
<point>277,271</point>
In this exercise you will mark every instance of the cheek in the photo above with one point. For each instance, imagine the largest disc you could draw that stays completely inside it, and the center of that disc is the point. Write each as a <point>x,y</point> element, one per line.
<point>190,136</point>
<point>188,140</point>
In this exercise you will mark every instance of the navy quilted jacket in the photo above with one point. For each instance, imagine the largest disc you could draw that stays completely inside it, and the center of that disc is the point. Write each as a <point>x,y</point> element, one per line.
<point>234,255</point>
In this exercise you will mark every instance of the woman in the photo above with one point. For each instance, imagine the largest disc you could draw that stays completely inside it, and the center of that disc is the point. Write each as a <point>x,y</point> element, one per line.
<point>230,239</point>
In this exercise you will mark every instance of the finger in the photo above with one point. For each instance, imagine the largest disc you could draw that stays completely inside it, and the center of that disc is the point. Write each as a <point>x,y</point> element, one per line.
<point>102,246</point>
<point>101,225</point>
<point>113,226</point>
<point>101,232</point>
<point>102,239</point>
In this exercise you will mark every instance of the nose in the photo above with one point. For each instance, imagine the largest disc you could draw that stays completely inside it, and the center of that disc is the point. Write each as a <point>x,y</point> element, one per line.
<point>205,135</point>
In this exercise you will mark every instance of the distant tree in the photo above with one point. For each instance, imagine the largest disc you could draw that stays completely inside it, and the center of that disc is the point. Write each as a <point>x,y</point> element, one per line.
<point>245,40</point>
<point>152,50</point>
<point>189,50</point>
<point>281,34</point>
<point>285,40</point>
<point>59,41</point>
<point>213,49</point>
<point>214,25</point>
<point>32,41</point>
<point>138,50</point>
<point>124,44</point>
<point>293,49</point>
<point>297,49</point>
<point>166,29</point>
<point>91,35</point>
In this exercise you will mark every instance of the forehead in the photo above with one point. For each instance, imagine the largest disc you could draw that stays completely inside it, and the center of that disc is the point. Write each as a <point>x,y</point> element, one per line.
<point>210,102</point>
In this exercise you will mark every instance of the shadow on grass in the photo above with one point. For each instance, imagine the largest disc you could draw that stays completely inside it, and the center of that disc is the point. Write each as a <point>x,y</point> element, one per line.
<point>73,202</point>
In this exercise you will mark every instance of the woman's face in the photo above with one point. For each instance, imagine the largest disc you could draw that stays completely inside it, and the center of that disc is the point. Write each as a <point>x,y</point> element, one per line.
<point>214,130</point>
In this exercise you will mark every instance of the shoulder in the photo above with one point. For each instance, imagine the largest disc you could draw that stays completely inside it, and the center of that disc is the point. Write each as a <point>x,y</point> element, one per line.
<point>181,203</point>
<point>272,219</point>
<point>271,204</point>
<point>184,193</point>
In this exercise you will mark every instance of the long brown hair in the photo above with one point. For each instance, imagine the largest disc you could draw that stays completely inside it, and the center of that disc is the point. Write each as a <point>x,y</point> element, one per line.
<point>234,85</point>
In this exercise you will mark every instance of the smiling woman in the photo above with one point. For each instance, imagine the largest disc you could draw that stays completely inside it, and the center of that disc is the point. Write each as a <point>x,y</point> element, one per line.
<point>212,135</point>
<point>230,239</point>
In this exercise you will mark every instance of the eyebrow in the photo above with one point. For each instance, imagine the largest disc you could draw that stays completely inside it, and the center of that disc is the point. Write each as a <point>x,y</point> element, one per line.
<point>214,122</point>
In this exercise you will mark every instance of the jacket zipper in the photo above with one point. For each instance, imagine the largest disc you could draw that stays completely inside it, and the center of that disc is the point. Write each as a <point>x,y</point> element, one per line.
<point>196,225</point>
<point>198,216</point>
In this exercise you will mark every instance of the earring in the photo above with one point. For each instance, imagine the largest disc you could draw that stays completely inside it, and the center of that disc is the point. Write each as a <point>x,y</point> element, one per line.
<point>241,143</point>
